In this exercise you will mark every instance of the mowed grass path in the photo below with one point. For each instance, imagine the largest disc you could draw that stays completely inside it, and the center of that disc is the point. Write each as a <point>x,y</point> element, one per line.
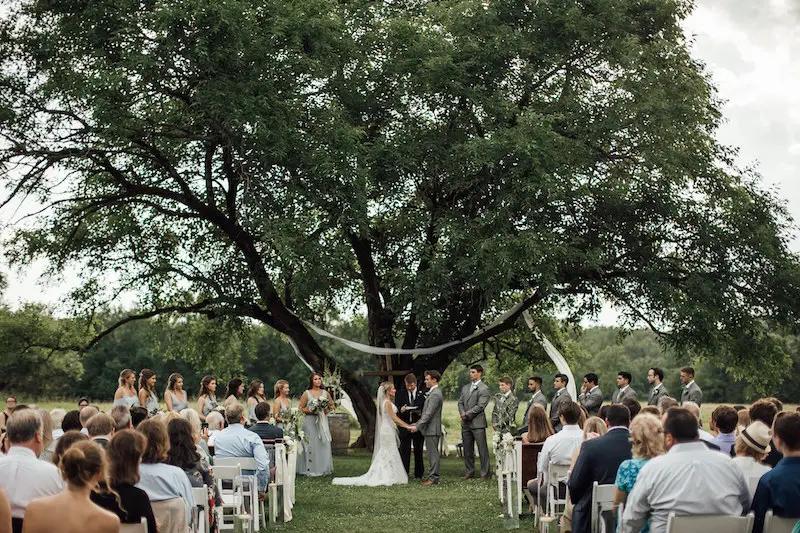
<point>455,505</point>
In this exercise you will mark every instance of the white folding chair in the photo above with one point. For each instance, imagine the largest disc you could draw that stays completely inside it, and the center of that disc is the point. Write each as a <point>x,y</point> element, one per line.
<point>141,527</point>
<point>556,474</point>
<point>201,500</point>
<point>710,524</point>
<point>778,524</point>
<point>247,463</point>
<point>602,500</point>
<point>223,472</point>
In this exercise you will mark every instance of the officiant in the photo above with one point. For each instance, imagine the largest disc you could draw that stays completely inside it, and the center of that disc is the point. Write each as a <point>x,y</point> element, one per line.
<point>409,403</point>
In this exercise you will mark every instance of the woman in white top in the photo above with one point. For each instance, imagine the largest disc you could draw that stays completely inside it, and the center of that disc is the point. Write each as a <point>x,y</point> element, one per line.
<point>126,392</point>
<point>752,447</point>
<point>175,397</point>
<point>71,511</point>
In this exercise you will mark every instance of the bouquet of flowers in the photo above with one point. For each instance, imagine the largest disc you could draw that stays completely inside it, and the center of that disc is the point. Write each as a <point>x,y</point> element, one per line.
<point>318,406</point>
<point>293,427</point>
<point>502,444</point>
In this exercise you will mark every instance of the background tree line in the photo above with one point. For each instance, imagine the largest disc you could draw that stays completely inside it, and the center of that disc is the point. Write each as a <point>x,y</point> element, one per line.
<point>195,347</point>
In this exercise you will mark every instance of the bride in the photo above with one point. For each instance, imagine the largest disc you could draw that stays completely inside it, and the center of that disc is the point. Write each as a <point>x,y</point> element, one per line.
<point>386,467</point>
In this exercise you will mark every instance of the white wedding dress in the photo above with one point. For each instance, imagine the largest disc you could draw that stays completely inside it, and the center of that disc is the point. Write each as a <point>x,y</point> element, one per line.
<point>386,467</point>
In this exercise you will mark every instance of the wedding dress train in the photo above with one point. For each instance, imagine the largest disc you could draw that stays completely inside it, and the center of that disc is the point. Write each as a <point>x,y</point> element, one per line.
<point>386,467</point>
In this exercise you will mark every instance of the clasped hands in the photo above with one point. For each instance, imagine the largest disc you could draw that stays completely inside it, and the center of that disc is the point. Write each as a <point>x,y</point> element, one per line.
<point>412,428</point>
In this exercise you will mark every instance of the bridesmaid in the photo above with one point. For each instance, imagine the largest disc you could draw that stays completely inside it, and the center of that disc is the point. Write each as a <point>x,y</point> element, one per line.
<point>255,395</point>
<point>126,392</point>
<point>148,398</point>
<point>235,390</point>
<point>175,397</point>
<point>281,400</point>
<point>318,460</point>
<point>206,399</point>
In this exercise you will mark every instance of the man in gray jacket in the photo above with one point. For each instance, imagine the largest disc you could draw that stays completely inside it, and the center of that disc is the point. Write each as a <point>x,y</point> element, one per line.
<point>624,390</point>
<point>537,396</point>
<point>561,398</point>
<point>430,424</point>
<point>591,397</point>
<point>655,376</point>
<point>690,392</point>
<point>471,406</point>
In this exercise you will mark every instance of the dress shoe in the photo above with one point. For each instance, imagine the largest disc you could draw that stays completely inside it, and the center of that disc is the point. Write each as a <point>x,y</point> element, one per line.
<point>468,476</point>
<point>429,482</point>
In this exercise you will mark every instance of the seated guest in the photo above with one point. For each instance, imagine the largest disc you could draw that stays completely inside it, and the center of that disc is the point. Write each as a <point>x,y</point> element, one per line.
<point>86,413</point>
<point>138,415</point>
<point>236,441</point>
<point>124,454</point>
<point>666,403</point>
<point>22,475</point>
<point>752,446</point>
<point>183,453</point>
<point>725,420</point>
<point>633,406</point>
<point>191,416</point>
<point>48,444</point>
<point>651,410</point>
<point>744,419</point>
<point>599,461</point>
<point>72,511</point>
<point>704,435</point>
<point>647,438</point>
<point>71,421</point>
<point>159,480</point>
<point>122,418</point>
<point>56,418</point>
<point>263,428</point>
<point>593,427</point>
<point>558,449</point>
<point>779,489</point>
<point>215,422</point>
<point>689,479</point>
<point>765,411</point>
<point>100,428</point>
<point>538,424</point>
<point>62,445</point>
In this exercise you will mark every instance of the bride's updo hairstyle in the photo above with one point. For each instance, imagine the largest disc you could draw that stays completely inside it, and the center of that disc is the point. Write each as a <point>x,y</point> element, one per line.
<point>82,463</point>
<point>386,386</point>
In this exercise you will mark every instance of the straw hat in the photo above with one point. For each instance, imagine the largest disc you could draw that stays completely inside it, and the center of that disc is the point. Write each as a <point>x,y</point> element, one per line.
<point>757,436</point>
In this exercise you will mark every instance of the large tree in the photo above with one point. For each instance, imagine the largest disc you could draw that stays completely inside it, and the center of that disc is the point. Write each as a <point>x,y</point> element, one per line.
<point>433,161</point>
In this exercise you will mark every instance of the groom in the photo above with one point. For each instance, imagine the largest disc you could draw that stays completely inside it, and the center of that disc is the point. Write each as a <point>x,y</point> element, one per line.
<point>430,424</point>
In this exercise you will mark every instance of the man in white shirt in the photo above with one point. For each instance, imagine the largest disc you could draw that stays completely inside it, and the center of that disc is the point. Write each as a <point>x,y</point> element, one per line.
<point>237,441</point>
<point>558,448</point>
<point>689,480</point>
<point>22,475</point>
<point>702,433</point>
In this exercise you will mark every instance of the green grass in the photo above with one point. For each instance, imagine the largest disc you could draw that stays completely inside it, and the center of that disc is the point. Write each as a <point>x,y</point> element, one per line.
<point>455,505</point>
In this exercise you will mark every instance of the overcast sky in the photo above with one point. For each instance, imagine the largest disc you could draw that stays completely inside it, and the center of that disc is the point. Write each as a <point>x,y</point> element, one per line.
<point>752,50</point>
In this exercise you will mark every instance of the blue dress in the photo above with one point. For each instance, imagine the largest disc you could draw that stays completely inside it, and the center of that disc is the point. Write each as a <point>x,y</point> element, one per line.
<point>626,477</point>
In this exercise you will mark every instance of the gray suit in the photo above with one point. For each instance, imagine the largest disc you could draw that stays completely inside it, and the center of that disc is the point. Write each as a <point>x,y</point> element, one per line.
<point>472,403</point>
<point>617,396</point>
<point>430,425</point>
<point>691,393</point>
<point>538,397</point>
<point>656,394</point>
<point>592,401</point>
<point>562,397</point>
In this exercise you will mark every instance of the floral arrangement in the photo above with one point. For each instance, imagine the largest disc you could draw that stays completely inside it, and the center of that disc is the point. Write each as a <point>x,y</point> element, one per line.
<point>502,444</point>
<point>292,427</point>
<point>318,406</point>
<point>332,381</point>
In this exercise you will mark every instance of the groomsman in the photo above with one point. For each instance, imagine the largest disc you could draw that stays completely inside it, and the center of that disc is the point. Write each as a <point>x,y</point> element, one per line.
<point>690,392</point>
<point>504,414</point>
<point>471,406</point>
<point>411,397</point>
<point>624,389</point>
<point>561,398</point>
<point>591,397</point>
<point>655,376</point>
<point>537,396</point>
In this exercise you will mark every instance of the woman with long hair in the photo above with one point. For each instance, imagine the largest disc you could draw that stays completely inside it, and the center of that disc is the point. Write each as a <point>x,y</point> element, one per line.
<point>119,493</point>
<point>281,404</point>
<point>126,391</point>
<point>161,481</point>
<point>183,453</point>
<point>175,397</point>
<point>148,398</point>
<point>539,426</point>
<point>255,395</point>
<point>206,398</point>
<point>63,444</point>
<point>647,441</point>
<point>235,390</point>
<point>319,459</point>
<point>72,511</point>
